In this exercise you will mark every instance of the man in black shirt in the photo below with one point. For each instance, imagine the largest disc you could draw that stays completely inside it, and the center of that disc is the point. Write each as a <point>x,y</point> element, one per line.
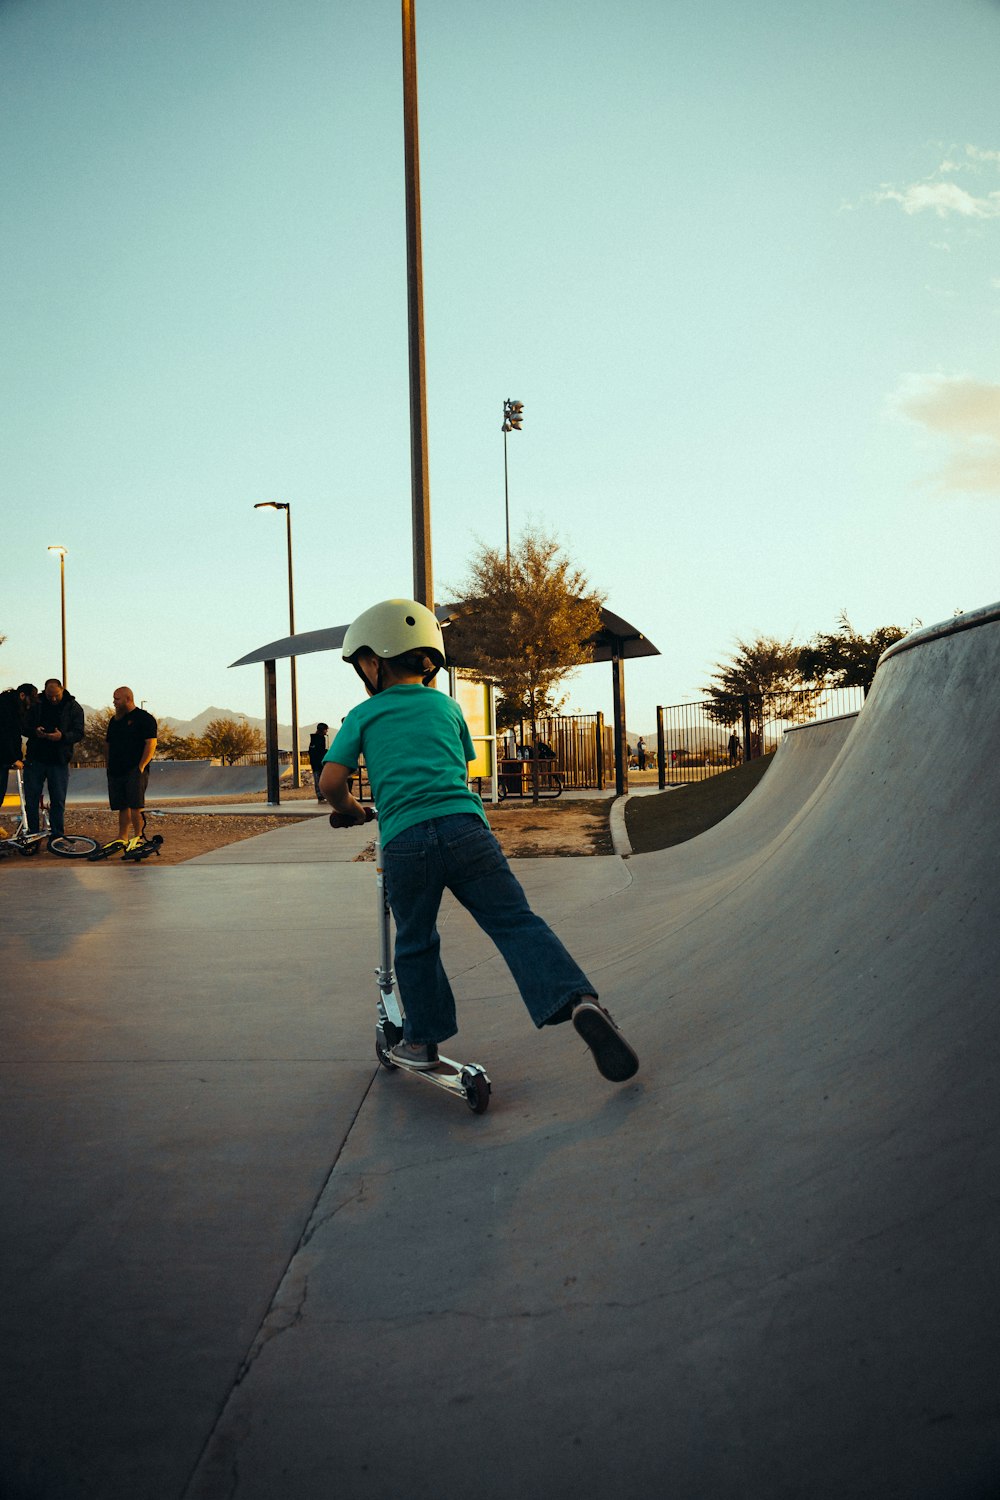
<point>54,728</point>
<point>131,745</point>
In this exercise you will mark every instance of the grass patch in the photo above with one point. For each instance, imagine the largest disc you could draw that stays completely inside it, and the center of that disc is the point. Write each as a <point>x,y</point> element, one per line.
<point>660,822</point>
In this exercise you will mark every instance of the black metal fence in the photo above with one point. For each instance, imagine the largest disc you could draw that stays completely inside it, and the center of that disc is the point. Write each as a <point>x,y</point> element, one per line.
<point>582,747</point>
<point>697,740</point>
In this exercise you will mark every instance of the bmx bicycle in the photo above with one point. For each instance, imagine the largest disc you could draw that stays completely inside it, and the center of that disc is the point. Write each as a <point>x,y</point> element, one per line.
<point>23,841</point>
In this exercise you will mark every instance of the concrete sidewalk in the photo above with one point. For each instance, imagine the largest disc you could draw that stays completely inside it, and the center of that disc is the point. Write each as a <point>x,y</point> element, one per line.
<point>248,1262</point>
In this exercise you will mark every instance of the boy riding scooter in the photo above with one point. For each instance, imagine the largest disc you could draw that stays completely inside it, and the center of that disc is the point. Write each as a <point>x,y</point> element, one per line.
<point>435,836</point>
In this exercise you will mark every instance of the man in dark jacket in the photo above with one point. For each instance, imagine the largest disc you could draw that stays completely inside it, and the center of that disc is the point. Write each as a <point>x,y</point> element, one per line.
<point>54,729</point>
<point>16,705</point>
<point>317,750</point>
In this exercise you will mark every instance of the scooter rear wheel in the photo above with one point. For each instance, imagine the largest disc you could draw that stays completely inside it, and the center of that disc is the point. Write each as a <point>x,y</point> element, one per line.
<point>477,1091</point>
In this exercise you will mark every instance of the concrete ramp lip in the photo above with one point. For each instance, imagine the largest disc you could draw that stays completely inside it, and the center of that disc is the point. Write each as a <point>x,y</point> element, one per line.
<point>970,620</point>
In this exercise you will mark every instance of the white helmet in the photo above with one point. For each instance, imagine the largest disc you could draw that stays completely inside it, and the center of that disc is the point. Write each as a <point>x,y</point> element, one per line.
<point>395,627</point>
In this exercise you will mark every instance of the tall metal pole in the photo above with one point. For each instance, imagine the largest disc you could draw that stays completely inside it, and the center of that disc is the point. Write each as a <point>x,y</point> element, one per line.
<point>506,498</point>
<point>423,576</point>
<point>62,602</point>
<point>296,773</point>
<point>62,607</point>
<point>513,416</point>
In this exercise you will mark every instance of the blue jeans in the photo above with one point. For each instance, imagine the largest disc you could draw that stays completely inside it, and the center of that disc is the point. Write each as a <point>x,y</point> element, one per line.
<point>460,854</point>
<point>36,774</point>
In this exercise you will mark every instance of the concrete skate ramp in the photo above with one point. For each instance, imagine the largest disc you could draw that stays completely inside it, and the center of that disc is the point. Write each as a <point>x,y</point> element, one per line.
<point>246,1261</point>
<point>769,1266</point>
<point>169,779</point>
<point>801,762</point>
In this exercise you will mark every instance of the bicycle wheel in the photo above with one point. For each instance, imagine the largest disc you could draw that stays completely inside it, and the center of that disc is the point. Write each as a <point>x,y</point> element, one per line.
<point>71,845</point>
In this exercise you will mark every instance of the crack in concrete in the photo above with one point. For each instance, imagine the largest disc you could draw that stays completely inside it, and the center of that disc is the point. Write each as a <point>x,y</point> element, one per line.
<point>282,1313</point>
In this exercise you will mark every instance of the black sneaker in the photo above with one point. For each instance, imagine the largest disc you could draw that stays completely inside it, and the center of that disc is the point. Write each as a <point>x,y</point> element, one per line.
<point>614,1057</point>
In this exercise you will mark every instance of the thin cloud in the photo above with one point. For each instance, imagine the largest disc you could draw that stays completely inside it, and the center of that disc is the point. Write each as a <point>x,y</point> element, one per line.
<point>966,413</point>
<point>940,195</point>
<point>943,199</point>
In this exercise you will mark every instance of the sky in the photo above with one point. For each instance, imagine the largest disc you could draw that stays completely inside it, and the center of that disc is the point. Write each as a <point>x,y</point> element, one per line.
<point>740,263</point>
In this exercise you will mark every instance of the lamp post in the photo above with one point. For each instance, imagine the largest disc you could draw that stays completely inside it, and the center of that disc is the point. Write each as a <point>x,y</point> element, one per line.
<point>62,603</point>
<point>279,505</point>
<point>513,415</point>
<point>423,579</point>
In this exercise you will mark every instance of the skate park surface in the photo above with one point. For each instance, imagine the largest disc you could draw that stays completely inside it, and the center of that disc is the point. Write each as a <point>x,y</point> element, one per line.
<point>242,1260</point>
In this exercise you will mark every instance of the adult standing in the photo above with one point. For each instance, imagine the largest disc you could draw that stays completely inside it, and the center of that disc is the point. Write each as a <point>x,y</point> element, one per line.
<point>55,727</point>
<point>317,750</point>
<point>131,746</point>
<point>640,751</point>
<point>16,707</point>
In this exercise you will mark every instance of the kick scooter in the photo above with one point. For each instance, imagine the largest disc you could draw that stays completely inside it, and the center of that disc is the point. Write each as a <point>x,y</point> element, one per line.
<point>23,841</point>
<point>133,850</point>
<point>469,1081</point>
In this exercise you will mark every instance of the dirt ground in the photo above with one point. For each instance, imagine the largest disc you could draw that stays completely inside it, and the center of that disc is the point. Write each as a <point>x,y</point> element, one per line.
<point>554,827</point>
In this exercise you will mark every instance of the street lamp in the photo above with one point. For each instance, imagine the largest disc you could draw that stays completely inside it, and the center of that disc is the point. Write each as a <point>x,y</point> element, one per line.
<point>62,603</point>
<point>513,415</point>
<point>278,505</point>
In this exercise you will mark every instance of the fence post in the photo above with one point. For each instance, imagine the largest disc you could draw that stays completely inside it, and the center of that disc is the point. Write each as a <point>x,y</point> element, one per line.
<point>599,731</point>
<point>747,746</point>
<point>661,750</point>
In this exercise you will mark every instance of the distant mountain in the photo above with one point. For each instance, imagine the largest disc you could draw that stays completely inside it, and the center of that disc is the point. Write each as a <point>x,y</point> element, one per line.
<point>200,723</point>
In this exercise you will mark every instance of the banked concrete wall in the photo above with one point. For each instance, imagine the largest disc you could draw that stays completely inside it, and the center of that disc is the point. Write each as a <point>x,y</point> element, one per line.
<point>176,778</point>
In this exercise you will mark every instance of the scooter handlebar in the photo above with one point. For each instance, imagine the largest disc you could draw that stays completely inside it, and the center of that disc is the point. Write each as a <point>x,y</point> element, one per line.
<point>341,820</point>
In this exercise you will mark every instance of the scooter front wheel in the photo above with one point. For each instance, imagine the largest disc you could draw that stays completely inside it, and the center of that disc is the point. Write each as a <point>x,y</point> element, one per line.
<point>382,1051</point>
<point>71,845</point>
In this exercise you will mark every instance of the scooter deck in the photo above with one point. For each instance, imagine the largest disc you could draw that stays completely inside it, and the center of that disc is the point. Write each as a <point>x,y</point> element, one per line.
<point>468,1081</point>
<point>445,1067</point>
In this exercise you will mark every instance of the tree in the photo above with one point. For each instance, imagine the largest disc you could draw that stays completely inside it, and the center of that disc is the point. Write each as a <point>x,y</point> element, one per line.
<point>845,658</point>
<point>173,746</point>
<point>765,668</point>
<point>229,740</point>
<point>524,625</point>
<point>94,745</point>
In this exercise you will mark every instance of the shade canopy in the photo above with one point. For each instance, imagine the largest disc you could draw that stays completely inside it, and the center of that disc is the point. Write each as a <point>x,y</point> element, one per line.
<point>617,641</point>
<point>616,638</point>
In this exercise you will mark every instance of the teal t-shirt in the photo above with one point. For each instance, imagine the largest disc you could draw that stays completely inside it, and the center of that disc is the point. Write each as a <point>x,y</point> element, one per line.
<point>417,749</point>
